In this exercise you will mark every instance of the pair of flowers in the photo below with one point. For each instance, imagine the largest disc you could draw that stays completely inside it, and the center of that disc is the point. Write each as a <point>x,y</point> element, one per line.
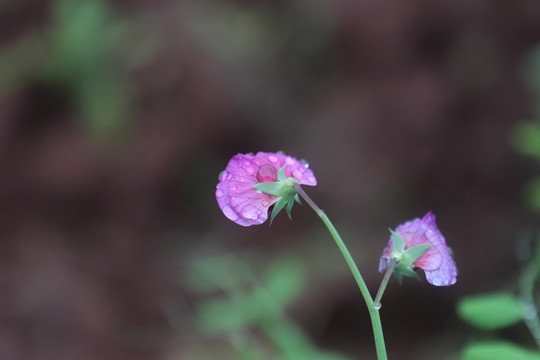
<point>250,184</point>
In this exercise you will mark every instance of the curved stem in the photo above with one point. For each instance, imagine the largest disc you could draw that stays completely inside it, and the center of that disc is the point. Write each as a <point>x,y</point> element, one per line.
<point>373,310</point>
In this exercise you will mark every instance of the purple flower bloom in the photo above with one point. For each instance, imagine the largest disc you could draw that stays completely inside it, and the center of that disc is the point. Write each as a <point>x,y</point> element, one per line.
<point>436,262</point>
<point>236,197</point>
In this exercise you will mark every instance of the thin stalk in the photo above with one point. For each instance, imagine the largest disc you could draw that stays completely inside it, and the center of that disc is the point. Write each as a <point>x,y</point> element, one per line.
<point>373,311</point>
<point>384,282</point>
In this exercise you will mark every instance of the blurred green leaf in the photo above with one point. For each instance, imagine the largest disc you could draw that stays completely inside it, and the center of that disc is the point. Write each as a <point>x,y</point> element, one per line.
<point>532,193</point>
<point>293,342</point>
<point>81,38</point>
<point>238,311</point>
<point>498,350</point>
<point>490,311</point>
<point>283,279</point>
<point>211,273</point>
<point>104,103</point>
<point>526,139</point>
<point>223,315</point>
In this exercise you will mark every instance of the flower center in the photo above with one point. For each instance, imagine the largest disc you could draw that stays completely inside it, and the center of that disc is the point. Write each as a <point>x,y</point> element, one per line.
<point>267,173</point>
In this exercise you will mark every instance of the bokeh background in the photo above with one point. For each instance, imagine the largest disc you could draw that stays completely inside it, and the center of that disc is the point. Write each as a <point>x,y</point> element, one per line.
<point>116,118</point>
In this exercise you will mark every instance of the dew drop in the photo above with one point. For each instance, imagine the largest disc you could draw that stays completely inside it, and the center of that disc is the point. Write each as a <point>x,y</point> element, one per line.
<point>377,306</point>
<point>305,163</point>
<point>234,188</point>
<point>259,192</point>
<point>311,180</point>
<point>289,160</point>
<point>266,203</point>
<point>250,212</point>
<point>250,170</point>
<point>245,164</point>
<point>219,193</point>
<point>222,174</point>
<point>272,158</point>
<point>297,174</point>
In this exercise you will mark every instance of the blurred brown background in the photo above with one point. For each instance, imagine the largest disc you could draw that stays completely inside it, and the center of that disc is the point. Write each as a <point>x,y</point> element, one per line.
<point>116,118</point>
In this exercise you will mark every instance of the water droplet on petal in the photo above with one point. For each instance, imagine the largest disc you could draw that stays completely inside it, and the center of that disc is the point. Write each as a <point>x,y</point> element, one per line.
<point>259,192</point>
<point>305,163</point>
<point>266,203</point>
<point>234,188</point>
<point>311,180</point>
<point>245,164</point>
<point>250,170</point>
<point>219,193</point>
<point>272,158</point>
<point>222,174</point>
<point>250,212</point>
<point>297,174</point>
<point>289,160</point>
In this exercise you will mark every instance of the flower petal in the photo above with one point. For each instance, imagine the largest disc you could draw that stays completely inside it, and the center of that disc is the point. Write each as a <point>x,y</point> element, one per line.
<point>235,194</point>
<point>437,262</point>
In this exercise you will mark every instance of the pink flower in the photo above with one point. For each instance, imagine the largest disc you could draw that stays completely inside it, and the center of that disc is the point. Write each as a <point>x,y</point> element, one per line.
<point>236,197</point>
<point>436,262</point>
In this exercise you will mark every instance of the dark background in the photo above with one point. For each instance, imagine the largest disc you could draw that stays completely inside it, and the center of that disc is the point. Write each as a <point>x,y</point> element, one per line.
<point>116,118</point>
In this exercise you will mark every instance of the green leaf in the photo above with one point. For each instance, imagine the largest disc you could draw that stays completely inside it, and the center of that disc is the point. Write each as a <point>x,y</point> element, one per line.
<point>498,350</point>
<point>284,280</point>
<point>532,193</point>
<point>526,139</point>
<point>413,253</point>
<point>238,311</point>
<point>490,311</point>
<point>397,241</point>
<point>211,273</point>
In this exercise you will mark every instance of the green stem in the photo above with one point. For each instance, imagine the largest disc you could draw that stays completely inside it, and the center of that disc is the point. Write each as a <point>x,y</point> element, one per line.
<point>373,310</point>
<point>384,282</point>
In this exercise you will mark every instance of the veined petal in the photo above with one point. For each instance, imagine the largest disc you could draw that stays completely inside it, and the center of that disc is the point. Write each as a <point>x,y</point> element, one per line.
<point>437,261</point>
<point>235,194</point>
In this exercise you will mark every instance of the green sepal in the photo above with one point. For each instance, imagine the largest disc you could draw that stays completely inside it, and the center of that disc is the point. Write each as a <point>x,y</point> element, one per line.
<point>281,174</point>
<point>397,241</point>
<point>271,188</point>
<point>399,276</point>
<point>414,253</point>
<point>297,199</point>
<point>402,270</point>
<point>278,206</point>
<point>290,204</point>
